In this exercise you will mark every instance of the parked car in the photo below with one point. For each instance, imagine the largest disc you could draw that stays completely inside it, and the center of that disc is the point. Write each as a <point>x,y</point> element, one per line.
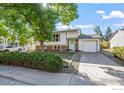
<point>1,47</point>
<point>13,48</point>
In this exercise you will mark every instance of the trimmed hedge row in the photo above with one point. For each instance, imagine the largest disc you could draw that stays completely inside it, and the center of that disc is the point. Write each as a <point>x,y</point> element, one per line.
<point>119,52</point>
<point>44,61</point>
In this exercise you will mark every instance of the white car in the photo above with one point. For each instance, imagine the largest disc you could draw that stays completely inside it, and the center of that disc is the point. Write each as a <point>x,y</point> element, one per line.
<point>13,48</point>
<point>1,47</point>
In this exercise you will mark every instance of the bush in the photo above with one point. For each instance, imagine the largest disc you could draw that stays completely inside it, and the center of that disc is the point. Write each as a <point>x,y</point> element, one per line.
<point>45,61</point>
<point>119,52</point>
<point>104,44</point>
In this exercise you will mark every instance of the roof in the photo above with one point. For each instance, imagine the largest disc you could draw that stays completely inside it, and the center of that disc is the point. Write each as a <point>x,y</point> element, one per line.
<point>91,36</point>
<point>115,33</point>
<point>68,30</point>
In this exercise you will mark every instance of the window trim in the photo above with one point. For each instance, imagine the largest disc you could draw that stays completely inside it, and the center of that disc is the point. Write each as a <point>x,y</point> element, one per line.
<point>56,37</point>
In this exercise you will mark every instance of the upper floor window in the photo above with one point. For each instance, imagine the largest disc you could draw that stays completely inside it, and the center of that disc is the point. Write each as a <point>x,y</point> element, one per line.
<point>56,37</point>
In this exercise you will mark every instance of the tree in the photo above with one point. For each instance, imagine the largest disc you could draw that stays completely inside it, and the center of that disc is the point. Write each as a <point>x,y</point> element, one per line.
<point>98,31</point>
<point>40,20</point>
<point>108,33</point>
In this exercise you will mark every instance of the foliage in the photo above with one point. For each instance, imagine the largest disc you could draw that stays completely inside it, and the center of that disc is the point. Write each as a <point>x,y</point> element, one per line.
<point>3,31</point>
<point>65,12</point>
<point>26,20</point>
<point>108,33</point>
<point>104,44</point>
<point>45,61</point>
<point>98,31</point>
<point>119,52</point>
<point>105,36</point>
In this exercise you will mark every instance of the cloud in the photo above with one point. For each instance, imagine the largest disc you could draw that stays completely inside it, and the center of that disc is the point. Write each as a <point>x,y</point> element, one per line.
<point>100,11</point>
<point>114,14</point>
<point>85,26</point>
<point>60,26</point>
<point>119,24</point>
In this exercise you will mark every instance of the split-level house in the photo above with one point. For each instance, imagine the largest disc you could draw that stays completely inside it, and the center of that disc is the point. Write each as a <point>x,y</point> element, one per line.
<point>73,40</point>
<point>117,39</point>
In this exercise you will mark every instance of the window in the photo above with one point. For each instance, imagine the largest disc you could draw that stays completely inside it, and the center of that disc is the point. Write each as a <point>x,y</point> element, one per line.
<point>9,47</point>
<point>56,47</point>
<point>56,37</point>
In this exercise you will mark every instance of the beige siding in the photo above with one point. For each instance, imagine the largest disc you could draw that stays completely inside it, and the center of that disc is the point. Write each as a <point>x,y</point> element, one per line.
<point>72,34</point>
<point>61,42</point>
<point>117,39</point>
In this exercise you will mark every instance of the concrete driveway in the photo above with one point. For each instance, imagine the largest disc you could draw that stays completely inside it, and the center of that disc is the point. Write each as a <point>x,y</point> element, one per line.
<point>100,70</point>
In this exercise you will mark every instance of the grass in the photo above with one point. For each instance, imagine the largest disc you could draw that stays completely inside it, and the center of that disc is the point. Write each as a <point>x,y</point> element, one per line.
<point>110,55</point>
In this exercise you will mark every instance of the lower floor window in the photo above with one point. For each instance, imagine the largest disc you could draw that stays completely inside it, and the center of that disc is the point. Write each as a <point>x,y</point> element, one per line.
<point>56,47</point>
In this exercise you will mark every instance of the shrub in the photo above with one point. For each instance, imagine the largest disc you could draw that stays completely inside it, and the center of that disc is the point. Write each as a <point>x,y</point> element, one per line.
<point>45,61</point>
<point>104,44</point>
<point>119,52</point>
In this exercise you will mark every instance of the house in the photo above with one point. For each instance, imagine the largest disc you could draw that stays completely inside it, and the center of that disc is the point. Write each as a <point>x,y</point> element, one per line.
<point>64,40</point>
<point>117,39</point>
<point>73,40</point>
<point>29,46</point>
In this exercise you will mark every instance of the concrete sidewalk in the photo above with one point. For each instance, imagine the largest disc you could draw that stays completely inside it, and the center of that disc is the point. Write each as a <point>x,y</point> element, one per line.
<point>37,77</point>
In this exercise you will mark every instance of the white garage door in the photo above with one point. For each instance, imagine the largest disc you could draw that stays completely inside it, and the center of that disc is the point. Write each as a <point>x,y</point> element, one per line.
<point>90,46</point>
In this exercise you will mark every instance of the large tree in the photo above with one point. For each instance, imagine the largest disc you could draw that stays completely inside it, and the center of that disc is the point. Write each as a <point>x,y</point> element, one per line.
<point>35,19</point>
<point>98,31</point>
<point>108,33</point>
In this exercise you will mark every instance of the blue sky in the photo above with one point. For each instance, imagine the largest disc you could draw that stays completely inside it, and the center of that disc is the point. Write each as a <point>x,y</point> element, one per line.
<point>103,15</point>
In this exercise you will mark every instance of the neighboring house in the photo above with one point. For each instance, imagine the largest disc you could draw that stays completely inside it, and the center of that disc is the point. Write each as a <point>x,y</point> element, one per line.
<point>117,39</point>
<point>29,46</point>
<point>72,40</point>
<point>3,41</point>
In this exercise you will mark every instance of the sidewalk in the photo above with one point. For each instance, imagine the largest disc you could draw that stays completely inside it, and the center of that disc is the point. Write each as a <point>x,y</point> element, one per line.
<point>38,77</point>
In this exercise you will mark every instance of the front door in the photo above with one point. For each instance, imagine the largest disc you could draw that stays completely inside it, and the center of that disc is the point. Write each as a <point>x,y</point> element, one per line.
<point>72,44</point>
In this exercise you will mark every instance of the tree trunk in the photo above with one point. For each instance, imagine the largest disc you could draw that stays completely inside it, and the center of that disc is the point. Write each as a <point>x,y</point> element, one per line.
<point>42,46</point>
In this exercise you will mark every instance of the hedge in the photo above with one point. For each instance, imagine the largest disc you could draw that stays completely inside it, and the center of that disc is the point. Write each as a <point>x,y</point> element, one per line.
<point>119,52</point>
<point>44,61</point>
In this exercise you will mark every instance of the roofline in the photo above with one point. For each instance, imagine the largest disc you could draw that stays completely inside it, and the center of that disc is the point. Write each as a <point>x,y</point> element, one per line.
<point>67,30</point>
<point>115,33</point>
<point>90,38</point>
